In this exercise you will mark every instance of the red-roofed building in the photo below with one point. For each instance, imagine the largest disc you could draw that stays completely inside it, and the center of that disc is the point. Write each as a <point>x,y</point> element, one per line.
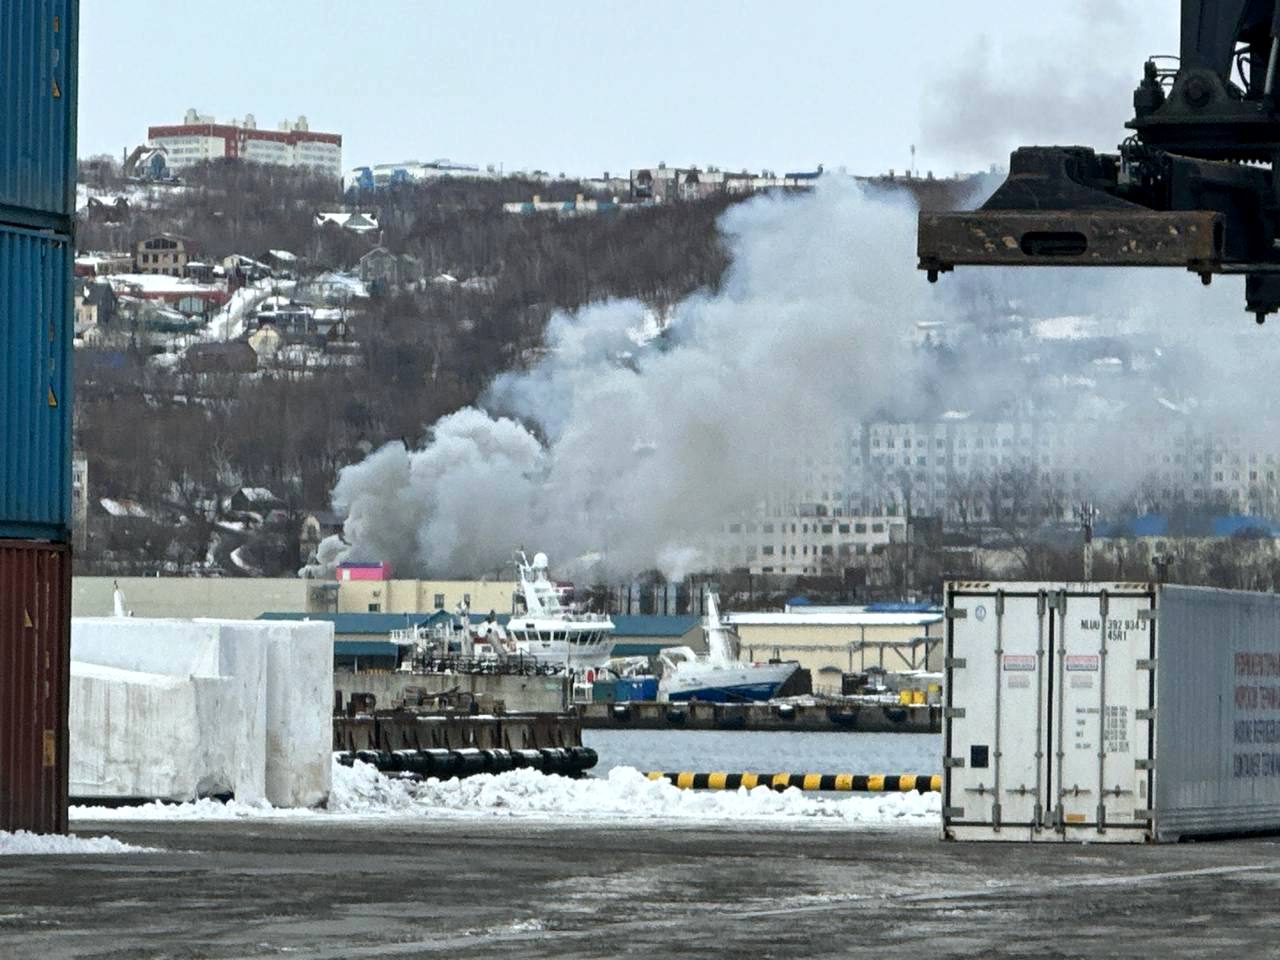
<point>199,138</point>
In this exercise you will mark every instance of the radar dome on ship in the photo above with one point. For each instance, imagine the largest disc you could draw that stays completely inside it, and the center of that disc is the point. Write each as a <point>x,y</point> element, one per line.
<point>540,561</point>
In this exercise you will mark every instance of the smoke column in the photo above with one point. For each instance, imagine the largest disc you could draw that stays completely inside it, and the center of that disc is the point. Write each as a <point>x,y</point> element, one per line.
<point>634,456</point>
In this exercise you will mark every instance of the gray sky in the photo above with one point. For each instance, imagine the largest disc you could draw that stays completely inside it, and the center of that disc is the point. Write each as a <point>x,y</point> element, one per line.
<point>582,87</point>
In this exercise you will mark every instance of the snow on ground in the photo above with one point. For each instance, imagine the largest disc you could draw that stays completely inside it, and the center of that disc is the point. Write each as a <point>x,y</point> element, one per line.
<point>230,322</point>
<point>625,794</point>
<point>24,844</point>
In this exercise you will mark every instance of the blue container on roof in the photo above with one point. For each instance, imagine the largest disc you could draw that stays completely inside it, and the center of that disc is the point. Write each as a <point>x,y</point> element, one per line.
<point>38,77</point>
<point>35,384</point>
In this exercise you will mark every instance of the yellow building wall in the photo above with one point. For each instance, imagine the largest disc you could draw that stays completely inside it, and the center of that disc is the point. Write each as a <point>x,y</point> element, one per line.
<point>828,651</point>
<point>419,596</point>
<point>243,598</point>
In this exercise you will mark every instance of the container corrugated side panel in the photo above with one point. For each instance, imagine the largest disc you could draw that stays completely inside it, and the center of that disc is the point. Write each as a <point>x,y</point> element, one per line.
<point>35,384</point>
<point>38,78</point>
<point>1217,712</point>
<point>35,662</point>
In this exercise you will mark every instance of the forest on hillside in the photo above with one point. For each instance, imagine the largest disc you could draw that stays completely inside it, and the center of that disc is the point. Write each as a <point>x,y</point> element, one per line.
<point>180,444</point>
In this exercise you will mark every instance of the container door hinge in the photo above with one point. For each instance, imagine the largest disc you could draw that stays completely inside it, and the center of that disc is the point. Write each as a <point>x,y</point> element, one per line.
<point>1144,714</point>
<point>1146,665</point>
<point>954,663</point>
<point>953,713</point>
<point>1143,765</point>
<point>952,813</point>
<point>953,761</point>
<point>956,613</point>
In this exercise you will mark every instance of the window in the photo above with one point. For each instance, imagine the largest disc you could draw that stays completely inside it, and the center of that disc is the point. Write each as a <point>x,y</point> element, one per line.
<point>877,528</point>
<point>826,528</point>
<point>375,608</point>
<point>767,528</point>
<point>844,528</point>
<point>735,528</point>
<point>439,601</point>
<point>767,550</point>
<point>826,551</point>
<point>859,528</point>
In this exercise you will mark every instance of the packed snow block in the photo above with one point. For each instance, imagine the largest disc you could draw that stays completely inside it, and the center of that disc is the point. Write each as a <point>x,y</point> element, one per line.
<point>299,705</point>
<point>180,648</point>
<point>228,677</point>
<point>141,735</point>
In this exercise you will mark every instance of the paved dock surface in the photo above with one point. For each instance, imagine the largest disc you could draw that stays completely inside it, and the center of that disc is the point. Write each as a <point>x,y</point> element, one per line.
<point>396,889</point>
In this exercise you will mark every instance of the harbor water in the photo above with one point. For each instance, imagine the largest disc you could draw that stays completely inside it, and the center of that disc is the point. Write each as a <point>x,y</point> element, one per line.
<point>765,751</point>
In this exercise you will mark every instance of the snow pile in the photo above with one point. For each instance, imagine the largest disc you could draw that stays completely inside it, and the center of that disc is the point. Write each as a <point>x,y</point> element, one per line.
<point>175,709</point>
<point>625,794</point>
<point>24,844</point>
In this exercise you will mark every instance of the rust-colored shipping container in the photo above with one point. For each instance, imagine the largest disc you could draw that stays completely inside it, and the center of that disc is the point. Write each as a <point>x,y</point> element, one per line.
<point>35,680</point>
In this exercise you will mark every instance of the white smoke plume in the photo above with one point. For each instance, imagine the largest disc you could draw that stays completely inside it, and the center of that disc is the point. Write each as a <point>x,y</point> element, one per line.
<point>640,453</point>
<point>637,455</point>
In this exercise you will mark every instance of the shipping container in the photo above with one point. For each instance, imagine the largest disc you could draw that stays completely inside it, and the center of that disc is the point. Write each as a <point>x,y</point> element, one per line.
<point>35,384</point>
<point>35,660</point>
<point>38,76</point>
<point>1109,712</point>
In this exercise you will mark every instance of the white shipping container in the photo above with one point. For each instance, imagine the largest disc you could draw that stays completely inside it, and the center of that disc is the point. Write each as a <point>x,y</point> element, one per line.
<point>1109,712</point>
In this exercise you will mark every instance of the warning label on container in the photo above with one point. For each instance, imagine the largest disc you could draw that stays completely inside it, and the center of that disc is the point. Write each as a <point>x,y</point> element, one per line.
<point>1083,661</point>
<point>1018,661</point>
<point>1018,681</point>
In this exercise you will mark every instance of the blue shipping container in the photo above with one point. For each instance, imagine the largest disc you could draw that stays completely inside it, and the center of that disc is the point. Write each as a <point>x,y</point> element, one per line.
<point>38,76</point>
<point>636,688</point>
<point>35,384</point>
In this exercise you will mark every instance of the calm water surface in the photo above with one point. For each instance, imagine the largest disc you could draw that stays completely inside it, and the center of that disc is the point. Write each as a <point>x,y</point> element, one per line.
<point>734,751</point>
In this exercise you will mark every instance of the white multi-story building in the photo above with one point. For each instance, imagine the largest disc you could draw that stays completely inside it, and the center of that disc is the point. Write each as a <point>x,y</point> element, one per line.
<point>838,504</point>
<point>200,138</point>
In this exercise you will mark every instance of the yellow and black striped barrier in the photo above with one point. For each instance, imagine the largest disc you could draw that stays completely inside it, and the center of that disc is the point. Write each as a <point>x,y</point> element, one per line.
<point>844,782</point>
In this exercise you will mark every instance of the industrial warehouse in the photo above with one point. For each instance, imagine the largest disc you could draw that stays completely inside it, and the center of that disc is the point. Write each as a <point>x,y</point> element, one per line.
<point>500,556</point>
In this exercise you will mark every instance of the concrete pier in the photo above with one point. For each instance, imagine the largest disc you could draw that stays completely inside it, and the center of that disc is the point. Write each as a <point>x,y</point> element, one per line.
<point>859,718</point>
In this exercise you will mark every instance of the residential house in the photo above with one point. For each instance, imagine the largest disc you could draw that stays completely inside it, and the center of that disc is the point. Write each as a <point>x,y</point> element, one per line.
<point>389,270</point>
<point>106,209</point>
<point>165,253</point>
<point>103,264</point>
<point>95,305</point>
<point>148,163</point>
<point>316,526</point>
<point>355,222</point>
<point>258,500</point>
<point>266,341</point>
<point>282,263</point>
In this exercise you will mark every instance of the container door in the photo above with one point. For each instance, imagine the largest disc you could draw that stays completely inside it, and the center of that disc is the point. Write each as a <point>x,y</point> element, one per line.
<point>1100,763</point>
<point>996,690</point>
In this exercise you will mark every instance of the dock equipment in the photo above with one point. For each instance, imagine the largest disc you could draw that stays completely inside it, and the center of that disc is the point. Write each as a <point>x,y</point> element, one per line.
<point>450,764</point>
<point>841,782</point>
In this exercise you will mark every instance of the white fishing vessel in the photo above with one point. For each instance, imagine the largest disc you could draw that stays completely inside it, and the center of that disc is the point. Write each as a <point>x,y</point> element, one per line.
<point>719,676</point>
<point>550,632</point>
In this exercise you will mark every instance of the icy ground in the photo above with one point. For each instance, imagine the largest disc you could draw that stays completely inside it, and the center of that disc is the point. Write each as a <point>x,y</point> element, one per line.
<point>624,794</point>
<point>21,843</point>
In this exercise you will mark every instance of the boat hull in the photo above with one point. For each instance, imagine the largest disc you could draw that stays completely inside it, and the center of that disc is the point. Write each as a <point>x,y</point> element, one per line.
<point>752,692</point>
<point>742,684</point>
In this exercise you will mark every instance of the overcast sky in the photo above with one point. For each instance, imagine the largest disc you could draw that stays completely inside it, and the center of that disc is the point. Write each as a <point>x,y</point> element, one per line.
<point>583,87</point>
